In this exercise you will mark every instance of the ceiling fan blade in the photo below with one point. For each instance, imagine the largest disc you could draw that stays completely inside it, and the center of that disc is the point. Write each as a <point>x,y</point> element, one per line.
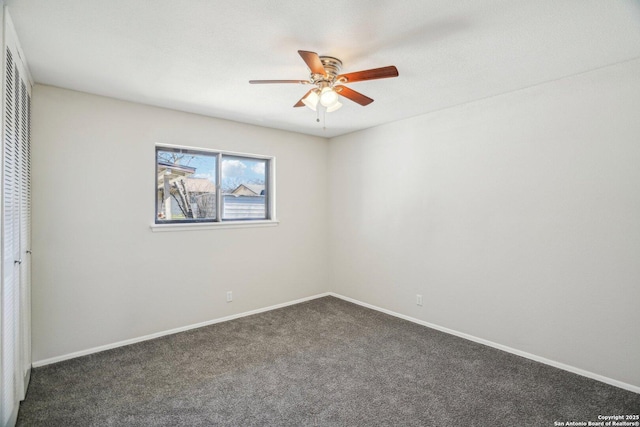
<point>313,62</point>
<point>353,95</point>
<point>300,103</point>
<point>374,73</point>
<point>261,82</point>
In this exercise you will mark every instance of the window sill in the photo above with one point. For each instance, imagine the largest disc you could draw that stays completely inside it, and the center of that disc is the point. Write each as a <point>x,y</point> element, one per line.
<point>213,225</point>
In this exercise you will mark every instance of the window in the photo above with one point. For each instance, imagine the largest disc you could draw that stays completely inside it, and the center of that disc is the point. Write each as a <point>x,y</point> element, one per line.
<point>201,186</point>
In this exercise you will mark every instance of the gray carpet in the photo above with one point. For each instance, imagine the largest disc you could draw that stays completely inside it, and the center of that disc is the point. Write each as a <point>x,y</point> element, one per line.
<point>326,362</point>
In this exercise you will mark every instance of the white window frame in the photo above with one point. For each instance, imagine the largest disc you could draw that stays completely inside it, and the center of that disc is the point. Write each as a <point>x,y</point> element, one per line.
<point>219,223</point>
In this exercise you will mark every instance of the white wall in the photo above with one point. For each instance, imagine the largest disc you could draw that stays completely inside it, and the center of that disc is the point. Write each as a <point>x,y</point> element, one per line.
<point>516,217</point>
<point>100,275</point>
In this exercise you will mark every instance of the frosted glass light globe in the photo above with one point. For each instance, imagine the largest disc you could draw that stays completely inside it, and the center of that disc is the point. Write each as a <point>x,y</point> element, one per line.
<point>311,100</point>
<point>334,107</point>
<point>328,97</point>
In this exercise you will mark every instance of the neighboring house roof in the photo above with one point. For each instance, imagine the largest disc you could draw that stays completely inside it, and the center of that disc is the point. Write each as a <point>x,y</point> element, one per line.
<point>256,189</point>
<point>199,185</point>
<point>172,172</point>
<point>175,168</point>
<point>177,172</point>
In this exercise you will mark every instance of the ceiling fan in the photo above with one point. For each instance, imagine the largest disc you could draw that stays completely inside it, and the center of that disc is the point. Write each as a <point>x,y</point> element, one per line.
<point>329,83</point>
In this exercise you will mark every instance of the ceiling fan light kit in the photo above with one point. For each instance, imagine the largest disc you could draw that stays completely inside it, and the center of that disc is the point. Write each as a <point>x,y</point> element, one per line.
<point>311,99</point>
<point>329,83</point>
<point>328,97</point>
<point>334,107</point>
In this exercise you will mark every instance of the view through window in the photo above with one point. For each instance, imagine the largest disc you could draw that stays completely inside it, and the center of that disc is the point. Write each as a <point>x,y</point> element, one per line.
<point>195,185</point>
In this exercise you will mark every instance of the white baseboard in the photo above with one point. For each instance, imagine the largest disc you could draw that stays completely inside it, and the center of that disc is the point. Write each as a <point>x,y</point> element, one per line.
<point>524,354</point>
<point>98,349</point>
<point>533,357</point>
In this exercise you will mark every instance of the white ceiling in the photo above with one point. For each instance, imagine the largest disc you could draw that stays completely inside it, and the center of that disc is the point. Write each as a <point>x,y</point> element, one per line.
<point>198,55</point>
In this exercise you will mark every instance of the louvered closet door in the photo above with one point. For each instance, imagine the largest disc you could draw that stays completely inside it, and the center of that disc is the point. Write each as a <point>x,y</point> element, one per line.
<point>16,236</point>
<point>10,285</point>
<point>25,233</point>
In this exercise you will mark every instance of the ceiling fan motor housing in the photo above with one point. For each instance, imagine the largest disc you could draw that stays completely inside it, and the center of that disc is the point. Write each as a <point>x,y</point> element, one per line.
<point>332,67</point>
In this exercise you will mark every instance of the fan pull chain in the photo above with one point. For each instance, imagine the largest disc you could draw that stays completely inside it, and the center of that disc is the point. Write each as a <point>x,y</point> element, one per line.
<point>324,119</point>
<point>324,116</point>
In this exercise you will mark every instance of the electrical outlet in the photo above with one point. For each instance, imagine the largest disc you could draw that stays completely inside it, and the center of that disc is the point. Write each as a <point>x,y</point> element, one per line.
<point>229,296</point>
<point>419,300</point>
